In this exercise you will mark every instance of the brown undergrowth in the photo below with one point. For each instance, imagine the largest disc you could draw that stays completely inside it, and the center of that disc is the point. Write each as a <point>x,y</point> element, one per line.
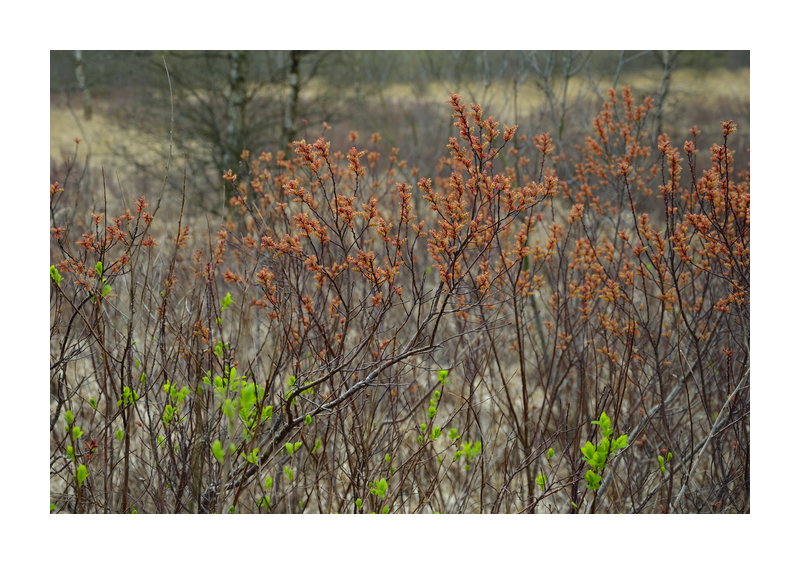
<point>352,341</point>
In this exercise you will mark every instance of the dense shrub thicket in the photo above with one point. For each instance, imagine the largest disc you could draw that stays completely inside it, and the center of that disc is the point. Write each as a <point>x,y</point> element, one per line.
<point>527,330</point>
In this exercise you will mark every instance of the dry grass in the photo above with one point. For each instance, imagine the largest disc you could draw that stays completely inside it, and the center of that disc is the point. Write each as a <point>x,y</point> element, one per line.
<point>104,137</point>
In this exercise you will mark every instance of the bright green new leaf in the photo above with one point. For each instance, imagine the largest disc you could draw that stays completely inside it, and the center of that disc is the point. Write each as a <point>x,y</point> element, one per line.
<point>218,451</point>
<point>55,275</point>
<point>592,480</point>
<point>619,442</point>
<point>379,488</point>
<point>169,413</point>
<point>605,424</point>
<point>540,479</point>
<point>219,348</point>
<point>81,474</point>
<point>229,409</point>
<point>226,302</point>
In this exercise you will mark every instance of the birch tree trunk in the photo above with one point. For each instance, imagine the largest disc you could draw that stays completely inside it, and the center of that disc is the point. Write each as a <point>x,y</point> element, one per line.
<point>234,138</point>
<point>289,128</point>
<point>80,75</point>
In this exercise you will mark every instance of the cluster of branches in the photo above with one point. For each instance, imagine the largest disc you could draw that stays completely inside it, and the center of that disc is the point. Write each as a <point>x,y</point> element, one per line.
<point>351,342</point>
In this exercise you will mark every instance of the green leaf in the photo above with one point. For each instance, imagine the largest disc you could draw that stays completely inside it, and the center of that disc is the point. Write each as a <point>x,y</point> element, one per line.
<point>55,275</point>
<point>71,453</point>
<point>76,432</point>
<point>619,442</point>
<point>308,419</point>
<point>226,302</point>
<point>359,502</point>
<point>379,488</point>
<point>443,376</point>
<point>81,474</point>
<point>218,451</point>
<point>69,417</point>
<point>99,268</point>
<point>289,473</point>
<point>267,482</point>
<point>248,396</point>
<point>219,348</point>
<point>317,446</point>
<point>592,480</point>
<point>550,453</point>
<point>252,458</point>
<point>605,424</point>
<point>540,479</point>
<point>169,413</point>
<point>588,450</point>
<point>453,434</point>
<point>229,409</point>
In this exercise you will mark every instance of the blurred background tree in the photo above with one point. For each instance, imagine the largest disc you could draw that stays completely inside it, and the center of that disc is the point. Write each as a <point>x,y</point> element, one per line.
<point>211,105</point>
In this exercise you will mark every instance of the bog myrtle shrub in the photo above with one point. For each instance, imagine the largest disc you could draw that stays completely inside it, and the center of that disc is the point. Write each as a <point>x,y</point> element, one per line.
<point>358,336</point>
